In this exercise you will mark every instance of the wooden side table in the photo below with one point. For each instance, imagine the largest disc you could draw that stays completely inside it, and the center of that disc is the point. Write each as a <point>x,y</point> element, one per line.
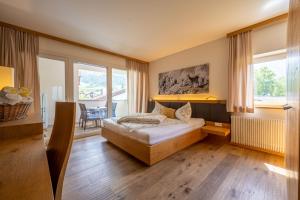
<point>216,130</point>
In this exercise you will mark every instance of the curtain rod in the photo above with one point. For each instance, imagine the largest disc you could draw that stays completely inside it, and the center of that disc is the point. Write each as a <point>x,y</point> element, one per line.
<point>278,18</point>
<point>52,37</point>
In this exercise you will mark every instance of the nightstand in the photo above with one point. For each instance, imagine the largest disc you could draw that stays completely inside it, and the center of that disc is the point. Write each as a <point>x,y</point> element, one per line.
<point>216,130</point>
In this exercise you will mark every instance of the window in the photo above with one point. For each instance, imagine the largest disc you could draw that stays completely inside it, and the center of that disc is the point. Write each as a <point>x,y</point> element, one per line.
<point>119,84</point>
<point>119,92</point>
<point>270,80</point>
<point>101,88</point>
<point>92,84</point>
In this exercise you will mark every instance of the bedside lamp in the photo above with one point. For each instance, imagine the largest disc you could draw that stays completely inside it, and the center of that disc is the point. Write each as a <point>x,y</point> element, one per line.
<point>6,76</point>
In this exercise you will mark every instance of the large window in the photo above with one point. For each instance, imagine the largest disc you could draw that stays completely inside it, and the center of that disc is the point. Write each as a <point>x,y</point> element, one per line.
<point>270,81</point>
<point>102,89</point>
<point>119,92</point>
<point>92,84</point>
<point>90,88</point>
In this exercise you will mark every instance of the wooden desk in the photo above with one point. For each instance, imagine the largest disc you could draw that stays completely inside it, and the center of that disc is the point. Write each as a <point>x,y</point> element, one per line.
<point>24,172</point>
<point>32,125</point>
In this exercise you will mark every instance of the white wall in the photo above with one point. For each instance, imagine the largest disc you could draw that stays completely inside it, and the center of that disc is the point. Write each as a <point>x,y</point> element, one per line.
<point>216,54</point>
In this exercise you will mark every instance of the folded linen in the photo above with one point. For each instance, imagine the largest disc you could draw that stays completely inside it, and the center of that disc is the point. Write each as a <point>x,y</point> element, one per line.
<point>142,118</point>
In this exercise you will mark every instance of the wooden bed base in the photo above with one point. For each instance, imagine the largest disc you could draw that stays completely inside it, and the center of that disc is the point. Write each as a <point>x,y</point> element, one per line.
<point>151,154</point>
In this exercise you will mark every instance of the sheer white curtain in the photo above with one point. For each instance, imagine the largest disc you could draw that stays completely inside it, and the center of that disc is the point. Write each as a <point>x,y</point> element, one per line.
<point>138,86</point>
<point>240,77</point>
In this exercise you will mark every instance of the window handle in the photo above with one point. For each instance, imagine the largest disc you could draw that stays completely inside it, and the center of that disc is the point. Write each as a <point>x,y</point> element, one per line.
<point>286,107</point>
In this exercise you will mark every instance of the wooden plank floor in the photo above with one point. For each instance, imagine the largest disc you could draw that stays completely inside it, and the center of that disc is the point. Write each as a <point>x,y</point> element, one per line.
<point>211,169</point>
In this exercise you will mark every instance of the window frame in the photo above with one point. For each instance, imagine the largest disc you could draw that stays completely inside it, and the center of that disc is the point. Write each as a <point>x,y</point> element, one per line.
<point>267,57</point>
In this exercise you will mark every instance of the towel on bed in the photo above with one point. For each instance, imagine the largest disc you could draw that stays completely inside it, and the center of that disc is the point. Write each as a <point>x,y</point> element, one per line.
<point>143,118</point>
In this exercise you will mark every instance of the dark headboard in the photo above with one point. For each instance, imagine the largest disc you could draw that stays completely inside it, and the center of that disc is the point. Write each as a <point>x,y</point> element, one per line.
<point>215,112</point>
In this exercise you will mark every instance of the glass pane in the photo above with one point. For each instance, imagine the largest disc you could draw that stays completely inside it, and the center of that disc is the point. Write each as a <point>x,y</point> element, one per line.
<point>119,93</point>
<point>90,89</point>
<point>52,87</point>
<point>91,85</point>
<point>270,82</point>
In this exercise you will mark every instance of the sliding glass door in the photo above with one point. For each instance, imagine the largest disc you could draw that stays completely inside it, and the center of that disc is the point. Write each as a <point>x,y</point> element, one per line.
<point>102,90</point>
<point>90,89</point>
<point>119,92</point>
<point>99,91</point>
<point>52,87</point>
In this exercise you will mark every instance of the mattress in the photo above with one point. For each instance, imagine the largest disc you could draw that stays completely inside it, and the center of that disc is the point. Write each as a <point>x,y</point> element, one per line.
<point>153,134</point>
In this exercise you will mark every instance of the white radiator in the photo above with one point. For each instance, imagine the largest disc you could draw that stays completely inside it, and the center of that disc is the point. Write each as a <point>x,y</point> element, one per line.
<point>267,134</point>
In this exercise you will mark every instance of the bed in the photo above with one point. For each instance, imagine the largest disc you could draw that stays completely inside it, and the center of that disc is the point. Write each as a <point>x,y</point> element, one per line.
<point>152,143</point>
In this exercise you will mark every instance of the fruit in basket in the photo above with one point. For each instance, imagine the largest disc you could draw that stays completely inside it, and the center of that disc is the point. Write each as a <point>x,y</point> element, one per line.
<point>24,92</point>
<point>12,96</point>
<point>10,90</point>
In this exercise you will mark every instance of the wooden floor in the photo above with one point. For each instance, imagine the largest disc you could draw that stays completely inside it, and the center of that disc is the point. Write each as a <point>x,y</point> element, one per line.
<point>210,169</point>
<point>78,132</point>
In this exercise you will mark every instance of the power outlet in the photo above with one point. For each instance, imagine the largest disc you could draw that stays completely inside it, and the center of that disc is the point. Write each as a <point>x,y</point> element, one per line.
<point>218,124</point>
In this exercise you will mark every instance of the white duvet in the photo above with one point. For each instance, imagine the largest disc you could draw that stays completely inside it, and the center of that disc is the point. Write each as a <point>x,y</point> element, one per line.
<point>154,133</point>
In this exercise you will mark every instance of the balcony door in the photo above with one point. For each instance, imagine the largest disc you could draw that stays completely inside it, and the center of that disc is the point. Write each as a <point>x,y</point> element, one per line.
<point>52,86</point>
<point>90,87</point>
<point>119,92</point>
<point>101,89</point>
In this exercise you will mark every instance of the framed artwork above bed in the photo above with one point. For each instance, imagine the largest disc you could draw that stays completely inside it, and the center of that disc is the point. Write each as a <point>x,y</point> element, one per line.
<point>190,80</point>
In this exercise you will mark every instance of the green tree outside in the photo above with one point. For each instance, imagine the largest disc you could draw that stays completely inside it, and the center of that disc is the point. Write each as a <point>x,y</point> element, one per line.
<point>267,84</point>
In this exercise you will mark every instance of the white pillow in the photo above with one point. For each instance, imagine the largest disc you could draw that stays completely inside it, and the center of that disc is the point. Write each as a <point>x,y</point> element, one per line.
<point>184,113</point>
<point>157,108</point>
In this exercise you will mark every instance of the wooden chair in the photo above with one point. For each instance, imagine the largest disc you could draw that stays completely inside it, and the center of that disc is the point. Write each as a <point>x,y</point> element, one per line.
<point>114,106</point>
<point>103,110</point>
<point>59,147</point>
<point>88,115</point>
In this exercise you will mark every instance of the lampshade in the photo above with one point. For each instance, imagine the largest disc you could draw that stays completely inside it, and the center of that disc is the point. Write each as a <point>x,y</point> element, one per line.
<point>6,76</point>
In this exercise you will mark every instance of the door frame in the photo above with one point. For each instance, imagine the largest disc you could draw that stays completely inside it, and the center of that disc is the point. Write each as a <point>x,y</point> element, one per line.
<point>65,60</point>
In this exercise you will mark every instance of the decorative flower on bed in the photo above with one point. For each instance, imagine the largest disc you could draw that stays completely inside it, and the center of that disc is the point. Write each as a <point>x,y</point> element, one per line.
<point>12,96</point>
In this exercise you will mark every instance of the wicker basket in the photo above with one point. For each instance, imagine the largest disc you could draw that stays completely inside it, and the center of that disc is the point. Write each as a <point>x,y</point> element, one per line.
<point>13,112</point>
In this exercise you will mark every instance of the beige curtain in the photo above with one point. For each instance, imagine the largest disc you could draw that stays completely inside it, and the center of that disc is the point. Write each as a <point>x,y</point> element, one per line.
<point>138,83</point>
<point>240,78</point>
<point>19,50</point>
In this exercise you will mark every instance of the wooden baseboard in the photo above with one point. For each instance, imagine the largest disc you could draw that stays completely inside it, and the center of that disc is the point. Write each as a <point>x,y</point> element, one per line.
<point>258,149</point>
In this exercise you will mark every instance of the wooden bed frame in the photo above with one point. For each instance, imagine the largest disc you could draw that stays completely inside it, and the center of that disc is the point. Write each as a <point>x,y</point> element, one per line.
<point>151,154</point>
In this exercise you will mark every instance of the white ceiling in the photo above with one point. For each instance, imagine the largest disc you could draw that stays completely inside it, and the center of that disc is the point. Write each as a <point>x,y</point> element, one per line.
<point>144,29</point>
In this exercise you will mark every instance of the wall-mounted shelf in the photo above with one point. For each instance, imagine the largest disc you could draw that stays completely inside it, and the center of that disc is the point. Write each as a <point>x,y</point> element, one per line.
<point>216,130</point>
<point>191,101</point>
